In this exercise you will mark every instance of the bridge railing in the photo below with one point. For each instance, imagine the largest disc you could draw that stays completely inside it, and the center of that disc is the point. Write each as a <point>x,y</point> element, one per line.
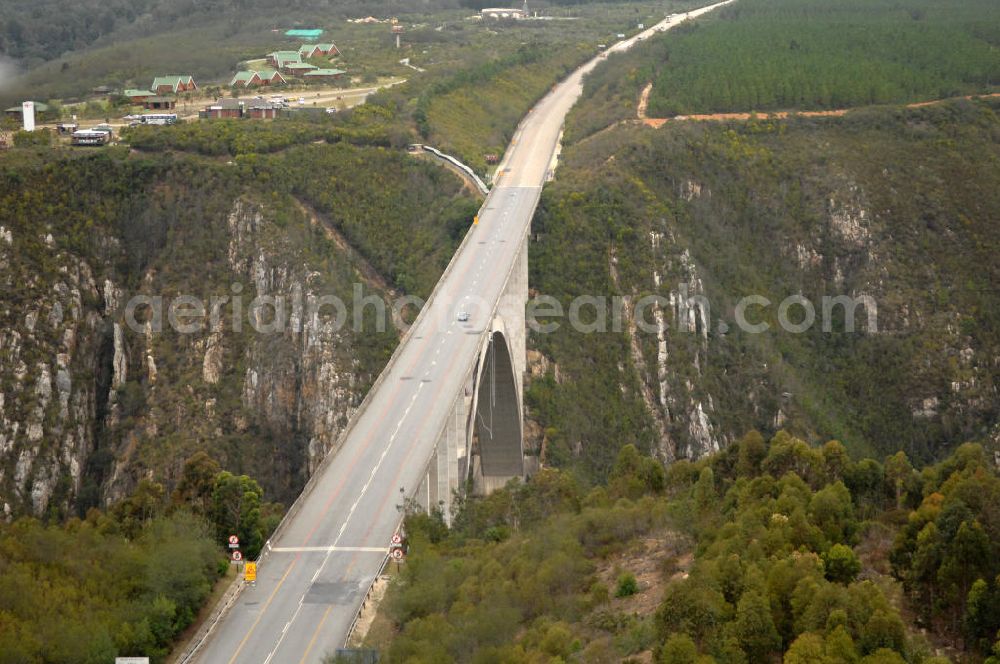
<point>461,166</point>
<point>328,458</point>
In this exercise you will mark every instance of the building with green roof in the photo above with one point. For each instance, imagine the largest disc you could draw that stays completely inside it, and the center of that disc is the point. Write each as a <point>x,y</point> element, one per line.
<point>250,79</point>
<point>280,59</point>
<point>173,84</point>
<point>305,34</point>
<point>245,79</point>
<point>271,77</point>
<point>138,95</point>
<point>324,74</point>
<point>16,110</point>
<point>298,68</point>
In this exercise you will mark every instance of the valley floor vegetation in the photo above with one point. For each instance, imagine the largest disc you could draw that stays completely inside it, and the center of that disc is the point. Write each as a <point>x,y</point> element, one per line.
<point>127,580</point>
<point>768,551</point>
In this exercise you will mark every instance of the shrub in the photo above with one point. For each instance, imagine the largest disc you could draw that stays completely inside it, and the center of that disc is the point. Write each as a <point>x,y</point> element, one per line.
<point>627,585</point>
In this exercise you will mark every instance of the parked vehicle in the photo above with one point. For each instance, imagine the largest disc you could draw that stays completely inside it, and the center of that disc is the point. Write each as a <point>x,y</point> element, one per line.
<point>158,119</point>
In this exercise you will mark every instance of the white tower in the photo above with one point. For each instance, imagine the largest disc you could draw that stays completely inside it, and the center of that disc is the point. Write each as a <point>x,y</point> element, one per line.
<point>28,115</point>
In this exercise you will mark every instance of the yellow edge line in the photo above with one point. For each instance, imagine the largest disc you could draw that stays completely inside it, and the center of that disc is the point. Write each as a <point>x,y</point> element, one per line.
<point>261,615</point>
<point>312,641</point>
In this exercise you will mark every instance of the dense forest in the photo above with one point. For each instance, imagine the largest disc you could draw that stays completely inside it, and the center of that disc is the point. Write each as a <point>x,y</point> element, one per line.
<point>128,580</point>
<point>818,54</point>
<point>770,549</point>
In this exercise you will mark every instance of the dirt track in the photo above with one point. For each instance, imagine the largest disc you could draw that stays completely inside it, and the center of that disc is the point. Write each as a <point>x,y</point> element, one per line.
<point>772,115</point>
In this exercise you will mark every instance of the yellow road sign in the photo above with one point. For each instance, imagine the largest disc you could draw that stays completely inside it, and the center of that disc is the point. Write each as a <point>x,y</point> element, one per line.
<point>250,572</point>
<point>475,220</point>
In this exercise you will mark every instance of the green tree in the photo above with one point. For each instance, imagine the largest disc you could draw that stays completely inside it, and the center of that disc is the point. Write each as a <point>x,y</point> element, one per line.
<point>832,510</point>
<point>839,646</point>
<point>982,615</point>
<point>752,450</point>
<point>236,510</point>
<point>884,656</point>
<point>633,475</point>
<point>840,564</point>
<point>807,649</point>
<point>197,483</point>
<point>627,585</point>
<point>884,630</point>
<point>679,649</point>
<point>897,471</point>
<point>704,489</point>
<point>754,627</point>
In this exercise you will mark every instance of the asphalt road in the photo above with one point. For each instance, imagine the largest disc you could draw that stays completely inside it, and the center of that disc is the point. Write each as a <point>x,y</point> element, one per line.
<point>313,578</point>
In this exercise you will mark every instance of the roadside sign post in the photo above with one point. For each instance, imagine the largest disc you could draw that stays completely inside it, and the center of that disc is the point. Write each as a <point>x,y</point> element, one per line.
<point>234,542</point>
<point>237,556</point>
<point>396,551</point>
<point>250,572</point>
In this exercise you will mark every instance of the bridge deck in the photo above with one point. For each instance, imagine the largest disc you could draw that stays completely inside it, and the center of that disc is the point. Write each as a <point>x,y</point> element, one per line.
<point>312,581</point>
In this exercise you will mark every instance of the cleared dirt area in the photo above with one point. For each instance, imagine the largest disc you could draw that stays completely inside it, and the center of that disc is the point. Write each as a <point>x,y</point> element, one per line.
<point>654,561</point>
<point>773,115</point>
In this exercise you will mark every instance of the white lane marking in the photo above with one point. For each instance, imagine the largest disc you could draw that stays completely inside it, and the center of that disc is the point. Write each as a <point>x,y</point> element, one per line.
<point>334,547</point>
<point>325,549</point>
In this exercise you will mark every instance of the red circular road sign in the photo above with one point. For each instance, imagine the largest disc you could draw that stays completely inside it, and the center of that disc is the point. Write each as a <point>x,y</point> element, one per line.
<point>237,556</point>
<point>397,539</point>
<point>397,554</point>
<point>234,541</point>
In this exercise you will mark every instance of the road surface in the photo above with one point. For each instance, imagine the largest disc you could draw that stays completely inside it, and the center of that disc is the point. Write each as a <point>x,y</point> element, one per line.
<point>320,564</point>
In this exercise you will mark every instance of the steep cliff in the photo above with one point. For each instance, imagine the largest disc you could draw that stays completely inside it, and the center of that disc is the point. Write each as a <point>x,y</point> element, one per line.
<point>894,209</point>
<point>154,308</point>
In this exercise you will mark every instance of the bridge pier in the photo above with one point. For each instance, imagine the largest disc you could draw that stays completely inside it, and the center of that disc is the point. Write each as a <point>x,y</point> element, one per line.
<point>482,441</point>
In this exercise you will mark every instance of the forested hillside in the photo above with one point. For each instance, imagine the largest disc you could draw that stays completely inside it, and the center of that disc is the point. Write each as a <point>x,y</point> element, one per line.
<point>127,580</point>
<point>45,30</point>
<point>765,55</point>
<point>63,51</point>
<point>767,551</point>
<point>897,205</point>
<point>92,403</point>
<point>809,54</point>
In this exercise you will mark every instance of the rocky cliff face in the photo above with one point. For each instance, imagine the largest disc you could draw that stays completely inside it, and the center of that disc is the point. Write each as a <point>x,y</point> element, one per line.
<point>49,353</point>
<point>281,384</point>
<point>869,210</point>
<point>102,384</point>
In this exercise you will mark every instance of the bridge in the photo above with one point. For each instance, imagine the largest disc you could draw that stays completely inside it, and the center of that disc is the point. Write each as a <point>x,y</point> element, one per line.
<point>446,409</point>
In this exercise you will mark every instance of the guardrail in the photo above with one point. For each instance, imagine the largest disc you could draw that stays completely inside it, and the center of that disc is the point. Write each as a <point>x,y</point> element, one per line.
<point>352,422</point>
<point>364,602</point>
<point>464,168</point>
<point>311,482</point>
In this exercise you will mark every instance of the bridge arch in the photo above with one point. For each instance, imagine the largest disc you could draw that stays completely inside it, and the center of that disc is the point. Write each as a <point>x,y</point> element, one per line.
<point>496,427</point>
